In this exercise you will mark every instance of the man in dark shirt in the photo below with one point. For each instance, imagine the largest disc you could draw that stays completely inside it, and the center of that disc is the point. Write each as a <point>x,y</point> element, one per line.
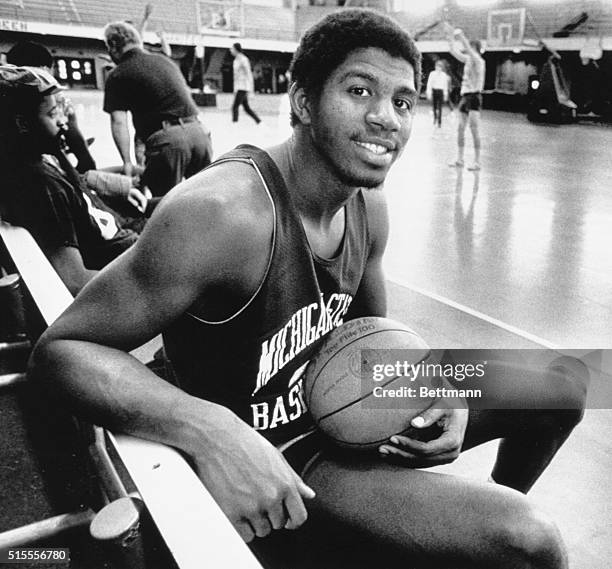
<point>165,117</point>
<point>41,191</point>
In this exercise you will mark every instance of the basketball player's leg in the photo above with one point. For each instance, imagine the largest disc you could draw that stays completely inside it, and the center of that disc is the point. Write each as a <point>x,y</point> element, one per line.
<point>529,441</point>
<point>462,122</point>
<point>532,410</point>
<point>416,518</point>
<point>474,122</point>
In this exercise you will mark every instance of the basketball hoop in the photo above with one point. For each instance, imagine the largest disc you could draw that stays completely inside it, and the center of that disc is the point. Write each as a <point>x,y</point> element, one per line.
<point>592,49</point>
<point>506,28</point>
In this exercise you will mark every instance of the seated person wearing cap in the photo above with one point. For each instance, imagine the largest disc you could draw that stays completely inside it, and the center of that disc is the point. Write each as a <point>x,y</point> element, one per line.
<point>33,54</point>
<point>41,191</point>
<point>113,187</point>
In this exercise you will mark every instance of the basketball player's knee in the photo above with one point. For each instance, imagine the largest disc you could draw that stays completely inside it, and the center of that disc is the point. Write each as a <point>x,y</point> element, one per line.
<point>567,419</point>
<point>530,540</point>
<point>556,423</point>
<point>570,377</point>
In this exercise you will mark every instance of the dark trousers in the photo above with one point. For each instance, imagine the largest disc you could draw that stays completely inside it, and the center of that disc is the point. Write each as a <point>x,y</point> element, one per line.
<point>173,153</point>
<point>437,96</point>
<point>242,98</point>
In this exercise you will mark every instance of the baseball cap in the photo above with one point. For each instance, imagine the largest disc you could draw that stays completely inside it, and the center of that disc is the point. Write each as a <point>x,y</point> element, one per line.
<point>33,79</point>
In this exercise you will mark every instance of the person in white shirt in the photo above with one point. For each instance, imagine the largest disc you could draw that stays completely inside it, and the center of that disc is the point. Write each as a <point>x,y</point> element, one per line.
<point>472,85</point>
<point>243,83</point>
<point>437,90</point>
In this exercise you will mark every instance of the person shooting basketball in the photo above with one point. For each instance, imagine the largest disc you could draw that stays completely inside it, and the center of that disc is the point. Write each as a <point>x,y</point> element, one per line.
<point>244,269</point>
<point>472,84</point>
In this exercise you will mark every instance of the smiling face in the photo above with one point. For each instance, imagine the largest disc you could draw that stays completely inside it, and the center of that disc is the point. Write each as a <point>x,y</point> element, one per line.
<point>362,119</point>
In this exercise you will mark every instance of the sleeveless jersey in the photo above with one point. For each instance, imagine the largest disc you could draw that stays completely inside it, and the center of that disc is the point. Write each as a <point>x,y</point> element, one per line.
<point>473,75</point>
<point>253,362</point>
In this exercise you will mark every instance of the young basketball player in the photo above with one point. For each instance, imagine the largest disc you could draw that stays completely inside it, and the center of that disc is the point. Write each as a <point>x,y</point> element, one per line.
<point>472,84</point>
<point>244,268</point>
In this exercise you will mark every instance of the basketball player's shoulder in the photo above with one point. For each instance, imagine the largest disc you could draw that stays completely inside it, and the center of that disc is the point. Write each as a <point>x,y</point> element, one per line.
<point>377,213</point>
<point>229,195</point>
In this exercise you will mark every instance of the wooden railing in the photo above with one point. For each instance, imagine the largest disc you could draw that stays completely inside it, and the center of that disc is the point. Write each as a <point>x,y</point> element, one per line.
<point>195,530</point>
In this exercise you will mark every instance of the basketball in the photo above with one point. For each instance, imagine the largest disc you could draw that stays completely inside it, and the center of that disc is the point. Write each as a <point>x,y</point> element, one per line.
<point>361,387</point>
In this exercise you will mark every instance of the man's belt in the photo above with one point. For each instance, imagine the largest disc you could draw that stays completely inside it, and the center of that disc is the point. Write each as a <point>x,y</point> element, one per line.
<point>174,121</point>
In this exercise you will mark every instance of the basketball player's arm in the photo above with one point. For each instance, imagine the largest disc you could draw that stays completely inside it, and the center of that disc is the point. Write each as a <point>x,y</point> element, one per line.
<point>190,245</point>
<point>68,264</point>
<point>470,52</point>
<point>121,137</point>
<point>371,296</point>
<point>166,48</point>
<point>148,10</point>
<point>451,34</point>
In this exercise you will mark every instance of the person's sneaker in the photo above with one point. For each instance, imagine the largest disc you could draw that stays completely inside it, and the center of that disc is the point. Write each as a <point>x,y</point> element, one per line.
<point>456,164</point>
<point>474,167</point>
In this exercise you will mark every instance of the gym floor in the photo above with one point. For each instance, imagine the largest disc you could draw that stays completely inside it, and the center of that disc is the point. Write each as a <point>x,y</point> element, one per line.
<point>515,256</point>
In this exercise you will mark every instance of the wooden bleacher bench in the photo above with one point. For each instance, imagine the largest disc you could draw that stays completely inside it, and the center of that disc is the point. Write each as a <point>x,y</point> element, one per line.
<point>195,530</point>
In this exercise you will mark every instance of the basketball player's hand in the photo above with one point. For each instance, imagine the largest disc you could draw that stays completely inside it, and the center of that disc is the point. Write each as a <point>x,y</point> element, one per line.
<point>451,417</point>
<point>137,199</point>
<point>252,482</point>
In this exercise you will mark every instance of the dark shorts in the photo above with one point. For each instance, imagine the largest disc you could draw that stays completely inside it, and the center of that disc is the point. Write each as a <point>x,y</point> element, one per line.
<point>470,102</point>
<point>302,451</point>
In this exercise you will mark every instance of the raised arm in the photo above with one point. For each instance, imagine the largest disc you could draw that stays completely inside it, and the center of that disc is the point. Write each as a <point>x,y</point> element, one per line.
<point>165,46</point>
<point>453,34</point>
<point>192,244</point>
<point>142,26</point>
